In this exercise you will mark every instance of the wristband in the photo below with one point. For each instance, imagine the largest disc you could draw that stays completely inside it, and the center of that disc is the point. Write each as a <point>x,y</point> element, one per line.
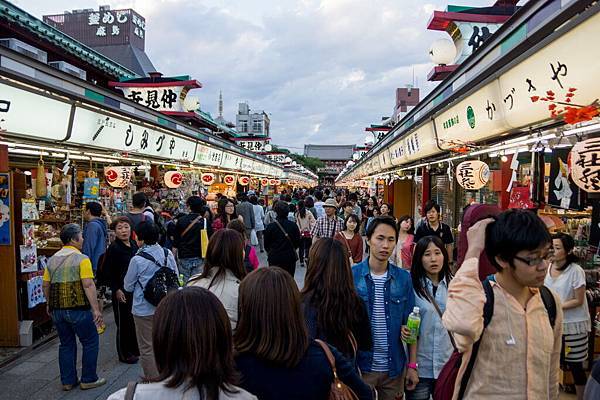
<point>414,366</point>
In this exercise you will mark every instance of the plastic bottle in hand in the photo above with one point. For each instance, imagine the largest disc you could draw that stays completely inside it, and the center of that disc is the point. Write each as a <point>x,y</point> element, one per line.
<point>413,324</point>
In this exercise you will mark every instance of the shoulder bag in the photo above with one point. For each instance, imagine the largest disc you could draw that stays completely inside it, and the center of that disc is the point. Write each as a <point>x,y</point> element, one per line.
<point>339,390</point>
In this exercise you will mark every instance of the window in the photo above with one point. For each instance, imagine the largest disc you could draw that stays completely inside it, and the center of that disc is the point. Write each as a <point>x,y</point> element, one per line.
<point>257,126</point>
<point>243,126</point>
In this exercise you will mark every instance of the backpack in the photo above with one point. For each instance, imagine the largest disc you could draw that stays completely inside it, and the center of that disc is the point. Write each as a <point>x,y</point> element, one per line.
<point>162,282</point>
<point>446,382</point>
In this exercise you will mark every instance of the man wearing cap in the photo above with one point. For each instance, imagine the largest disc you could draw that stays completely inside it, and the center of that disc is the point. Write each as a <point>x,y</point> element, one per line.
<point>329,224</point>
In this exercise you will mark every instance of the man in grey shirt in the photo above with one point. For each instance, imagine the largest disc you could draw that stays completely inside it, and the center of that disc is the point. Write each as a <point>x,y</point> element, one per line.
<point>246,210</point>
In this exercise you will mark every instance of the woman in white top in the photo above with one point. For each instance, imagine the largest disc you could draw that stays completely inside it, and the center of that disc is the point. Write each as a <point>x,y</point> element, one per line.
<point>193,347</point>
<point>259,217</point>
<point>305,221</point>
<point>567,279</point>
<point>223,270</point>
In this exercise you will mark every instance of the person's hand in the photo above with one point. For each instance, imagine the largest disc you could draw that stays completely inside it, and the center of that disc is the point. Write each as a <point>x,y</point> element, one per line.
<point>406,333</point>
<point>98,320</point>
<point>476,238</point>
<point>120,296</point>
<point>412,378</point>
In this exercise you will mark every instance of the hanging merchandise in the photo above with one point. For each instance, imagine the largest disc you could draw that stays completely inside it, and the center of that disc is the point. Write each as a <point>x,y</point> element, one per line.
<point>28,258</point>
<point>473,174</point>
<point>35,293</point>
<point>91,188</point>
<point>520,197</point>
<point>118,177</point>
<point>229,180</point>
<point>562,193</point>
<point>264,181</point>
<point>244,180</point>
<point>41,190</point>
<point>173,179</point>
<point>208,179</point>
<point>585,169</point>
<point>5,228</point>
<point>537,177</point>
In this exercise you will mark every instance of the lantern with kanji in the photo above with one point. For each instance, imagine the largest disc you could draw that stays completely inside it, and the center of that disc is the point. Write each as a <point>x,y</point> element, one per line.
<point>173,179</point>
<point>473,174</point>
<point>118,177</point>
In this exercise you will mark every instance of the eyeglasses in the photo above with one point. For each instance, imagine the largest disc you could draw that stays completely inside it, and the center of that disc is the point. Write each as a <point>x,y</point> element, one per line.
<point>536,261</point>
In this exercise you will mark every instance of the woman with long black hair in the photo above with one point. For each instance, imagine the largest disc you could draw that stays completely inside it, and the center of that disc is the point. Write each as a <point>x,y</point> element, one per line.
<point>332,309</point>
<point>225,214</point>
<point>431,276</point>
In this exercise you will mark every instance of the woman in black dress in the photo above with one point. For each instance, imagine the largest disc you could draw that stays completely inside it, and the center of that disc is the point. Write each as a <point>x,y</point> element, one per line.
<point>116,263</point>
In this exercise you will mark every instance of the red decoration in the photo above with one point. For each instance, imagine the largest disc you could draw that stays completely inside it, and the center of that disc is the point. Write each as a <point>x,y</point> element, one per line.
<point>571,113</point>
<point>229,180</point>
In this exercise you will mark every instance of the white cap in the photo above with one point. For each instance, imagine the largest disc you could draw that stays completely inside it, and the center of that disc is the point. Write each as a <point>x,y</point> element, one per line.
<point>416,310</point>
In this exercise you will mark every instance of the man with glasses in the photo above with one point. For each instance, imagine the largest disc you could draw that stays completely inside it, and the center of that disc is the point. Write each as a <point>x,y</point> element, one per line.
<point>509,327</point>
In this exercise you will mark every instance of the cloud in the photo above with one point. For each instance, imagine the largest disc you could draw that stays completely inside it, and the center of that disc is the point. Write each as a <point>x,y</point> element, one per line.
<point>322,69</point>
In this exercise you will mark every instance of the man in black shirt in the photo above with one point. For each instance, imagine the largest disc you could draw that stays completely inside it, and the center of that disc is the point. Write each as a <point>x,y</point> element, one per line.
<point>187,241</point>
<point>432,226</point>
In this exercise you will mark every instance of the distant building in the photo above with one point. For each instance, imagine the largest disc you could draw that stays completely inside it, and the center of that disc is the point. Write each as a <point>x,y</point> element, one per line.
<point>252,124</point>
<point>118,34</point>
<point>335,158</point>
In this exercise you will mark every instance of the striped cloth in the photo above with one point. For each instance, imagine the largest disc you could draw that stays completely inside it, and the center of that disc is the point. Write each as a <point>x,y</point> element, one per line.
<point>379,326</point>
<point>576,347</point>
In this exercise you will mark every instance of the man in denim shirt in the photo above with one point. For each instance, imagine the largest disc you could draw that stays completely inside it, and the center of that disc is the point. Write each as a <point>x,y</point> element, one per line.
<point>388,295</point>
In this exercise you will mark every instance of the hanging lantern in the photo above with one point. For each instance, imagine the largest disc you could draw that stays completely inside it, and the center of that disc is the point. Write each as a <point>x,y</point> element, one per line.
<point>472,175</point>
<point>277,182</point>
<point>229,180</point>
<point>208,178</point>
<point>173,179</point>
<point>584,169</point>
<point>243,180</point>
<point>264,181</point>
<point>118,177</point>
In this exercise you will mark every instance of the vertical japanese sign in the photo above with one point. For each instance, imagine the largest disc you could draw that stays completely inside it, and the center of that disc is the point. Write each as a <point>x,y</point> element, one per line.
<point>5,216</point>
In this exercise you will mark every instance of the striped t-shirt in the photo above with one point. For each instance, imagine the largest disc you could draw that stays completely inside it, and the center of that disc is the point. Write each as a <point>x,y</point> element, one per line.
<point>379,326</point>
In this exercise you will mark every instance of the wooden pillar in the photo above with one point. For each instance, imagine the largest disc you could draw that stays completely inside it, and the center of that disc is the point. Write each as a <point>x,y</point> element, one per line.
<point>9,321</point>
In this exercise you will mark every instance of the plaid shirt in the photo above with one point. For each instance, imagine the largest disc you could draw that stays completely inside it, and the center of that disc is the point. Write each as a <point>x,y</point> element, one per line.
<point>327,227</point>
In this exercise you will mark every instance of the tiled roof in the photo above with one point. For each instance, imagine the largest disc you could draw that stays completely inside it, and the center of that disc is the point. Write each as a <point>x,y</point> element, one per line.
<point>329,152</point>
<point>14,14</point>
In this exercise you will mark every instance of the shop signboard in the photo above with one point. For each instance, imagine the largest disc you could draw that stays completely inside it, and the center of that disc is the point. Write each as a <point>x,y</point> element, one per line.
<point>420,143</point>
<point>397,153</point>
<point>584,161</point>
<point>25,113</point>
<point>246,164</point>
<point>477,117</point>
<point>231,161</point>
<point>279,158</point>
<point>472,174</point>
<point>563,64</point>
<point>208,156</point>
<point>256,145</point>
<point>96,129</point>
<point>385,161</point>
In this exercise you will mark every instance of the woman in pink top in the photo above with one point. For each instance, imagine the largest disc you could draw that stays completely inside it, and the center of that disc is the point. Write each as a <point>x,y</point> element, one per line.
<point>403,252</point>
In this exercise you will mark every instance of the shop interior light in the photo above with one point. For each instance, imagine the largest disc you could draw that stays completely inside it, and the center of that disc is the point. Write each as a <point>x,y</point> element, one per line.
<point>28,173</point>
<point>30,146</point>
<point>582,129</point>
<point>28,152</point>
<point>105,156</point>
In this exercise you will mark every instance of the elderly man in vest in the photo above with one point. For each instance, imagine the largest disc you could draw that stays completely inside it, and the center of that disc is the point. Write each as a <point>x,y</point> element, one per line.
<point>70,291</point>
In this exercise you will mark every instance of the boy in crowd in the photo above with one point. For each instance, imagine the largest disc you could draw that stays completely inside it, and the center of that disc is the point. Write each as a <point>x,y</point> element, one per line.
<point>387,292</point>
<point>518,350</point>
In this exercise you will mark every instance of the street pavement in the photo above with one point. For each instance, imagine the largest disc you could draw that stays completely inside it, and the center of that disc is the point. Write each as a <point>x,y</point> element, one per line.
<point>36,375</point>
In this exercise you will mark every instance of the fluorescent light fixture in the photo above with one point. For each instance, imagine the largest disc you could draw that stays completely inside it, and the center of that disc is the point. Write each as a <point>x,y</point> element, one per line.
<point>28,152</point>
<point>582,129</point>
<point>29,146</point>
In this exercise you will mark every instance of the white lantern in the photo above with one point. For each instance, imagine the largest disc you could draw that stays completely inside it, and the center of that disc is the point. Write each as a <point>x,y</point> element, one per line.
<point>584,169</point>
<point>443,52</point>
<point>268,147</point>
<point>472,175</point>
<point>173,179</point>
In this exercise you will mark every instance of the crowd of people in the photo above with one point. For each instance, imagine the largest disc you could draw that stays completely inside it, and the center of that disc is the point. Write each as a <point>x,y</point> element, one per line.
<point>496,324</point>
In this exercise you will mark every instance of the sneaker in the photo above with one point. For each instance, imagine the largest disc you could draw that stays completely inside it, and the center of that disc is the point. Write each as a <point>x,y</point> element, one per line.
<point>68,388</point>
<point>92,385</point>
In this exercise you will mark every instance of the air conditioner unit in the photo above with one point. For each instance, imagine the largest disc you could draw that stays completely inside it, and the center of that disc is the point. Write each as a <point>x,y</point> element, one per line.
<point>25,49</point>
<point>68,68</point>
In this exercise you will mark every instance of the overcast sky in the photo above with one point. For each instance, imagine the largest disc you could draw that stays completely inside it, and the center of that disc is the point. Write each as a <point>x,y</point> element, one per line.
<point>323,70</point>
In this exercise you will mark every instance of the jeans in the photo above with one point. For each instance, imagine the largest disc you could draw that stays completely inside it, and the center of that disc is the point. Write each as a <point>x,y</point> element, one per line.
<point>80,323</point>
<point>189,267</point>
<point>305,243</point>
<point>423,391</point>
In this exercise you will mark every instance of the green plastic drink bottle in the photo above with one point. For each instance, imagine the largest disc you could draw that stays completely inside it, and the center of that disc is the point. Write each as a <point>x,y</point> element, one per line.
<point>414,321</point>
